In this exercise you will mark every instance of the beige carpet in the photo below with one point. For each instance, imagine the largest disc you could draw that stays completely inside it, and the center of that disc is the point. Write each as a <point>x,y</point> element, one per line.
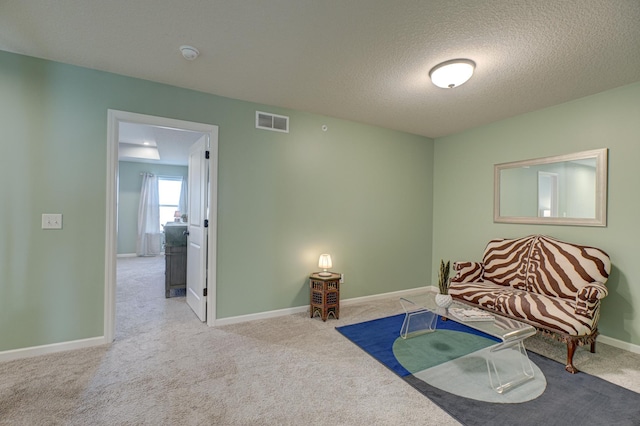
<point>167,368</point>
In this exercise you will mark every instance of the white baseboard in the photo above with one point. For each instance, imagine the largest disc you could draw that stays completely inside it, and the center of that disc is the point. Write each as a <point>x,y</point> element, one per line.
<point>397,294</point>
<point>96,341</point>
<point>52,348</point>
<point>305,308</point>
<point>259,316</point>
<point>619,344</point>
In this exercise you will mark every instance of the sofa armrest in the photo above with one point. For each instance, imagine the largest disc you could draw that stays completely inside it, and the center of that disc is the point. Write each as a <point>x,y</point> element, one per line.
<point>468,272</point>
<point>588,298</point>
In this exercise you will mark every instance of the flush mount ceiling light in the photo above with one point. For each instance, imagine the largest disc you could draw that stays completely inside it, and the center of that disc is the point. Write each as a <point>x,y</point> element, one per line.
<point>452,73</point>
<point>189,52</point>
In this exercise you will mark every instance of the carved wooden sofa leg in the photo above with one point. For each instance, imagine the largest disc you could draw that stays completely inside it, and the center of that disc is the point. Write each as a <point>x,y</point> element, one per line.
<point>593,347</point>
<point>571,349</point>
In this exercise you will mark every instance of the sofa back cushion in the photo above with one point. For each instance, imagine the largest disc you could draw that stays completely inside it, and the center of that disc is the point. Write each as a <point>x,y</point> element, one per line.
<point>505,261</point>
<point>561,269</point>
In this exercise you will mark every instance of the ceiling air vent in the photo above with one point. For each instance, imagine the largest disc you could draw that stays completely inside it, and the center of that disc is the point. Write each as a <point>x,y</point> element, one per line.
<point>268,121</point>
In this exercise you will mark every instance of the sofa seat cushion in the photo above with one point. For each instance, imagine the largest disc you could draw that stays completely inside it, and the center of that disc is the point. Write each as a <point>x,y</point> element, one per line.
<point>551,313</point>
<point>479,293</point>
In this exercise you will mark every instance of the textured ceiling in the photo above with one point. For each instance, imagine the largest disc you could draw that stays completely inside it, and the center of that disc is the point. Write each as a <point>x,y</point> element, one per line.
<point>362,60</point>
<point>170,145</point>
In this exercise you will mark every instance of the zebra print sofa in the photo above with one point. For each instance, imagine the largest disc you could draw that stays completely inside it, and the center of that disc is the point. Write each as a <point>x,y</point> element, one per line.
<point>553,285</point>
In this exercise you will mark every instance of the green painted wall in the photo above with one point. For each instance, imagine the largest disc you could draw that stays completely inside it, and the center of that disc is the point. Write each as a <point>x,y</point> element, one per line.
<point>373,198</point>
<point>361,193</point>
<point>463,194</point>
<point>129,186</point>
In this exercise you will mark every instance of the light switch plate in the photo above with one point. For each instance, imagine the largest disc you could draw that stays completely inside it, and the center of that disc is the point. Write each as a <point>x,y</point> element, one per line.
<point>51,220</point>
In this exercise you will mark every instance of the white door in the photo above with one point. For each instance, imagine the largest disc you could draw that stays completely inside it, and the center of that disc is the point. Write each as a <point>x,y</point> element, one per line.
<point>197,230</point>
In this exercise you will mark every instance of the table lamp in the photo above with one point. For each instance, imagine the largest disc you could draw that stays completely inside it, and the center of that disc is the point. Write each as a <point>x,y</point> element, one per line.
<point>325,263</point>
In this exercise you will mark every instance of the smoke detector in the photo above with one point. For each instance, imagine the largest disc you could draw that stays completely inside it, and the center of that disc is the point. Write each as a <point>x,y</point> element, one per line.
<point>189,52</point>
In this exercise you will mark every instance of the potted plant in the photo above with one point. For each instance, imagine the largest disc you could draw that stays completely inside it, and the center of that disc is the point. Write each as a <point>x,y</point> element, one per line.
<point>443,299</point>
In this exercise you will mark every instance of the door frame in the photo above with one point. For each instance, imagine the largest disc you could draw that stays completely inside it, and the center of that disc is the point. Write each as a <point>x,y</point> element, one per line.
<point>114,117</point>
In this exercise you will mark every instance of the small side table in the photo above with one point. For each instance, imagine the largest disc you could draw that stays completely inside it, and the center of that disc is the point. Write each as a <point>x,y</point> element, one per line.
<point>325,295</point>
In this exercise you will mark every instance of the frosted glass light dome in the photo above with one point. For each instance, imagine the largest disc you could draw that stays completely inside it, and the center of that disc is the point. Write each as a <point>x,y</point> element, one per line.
<point>452,73</point>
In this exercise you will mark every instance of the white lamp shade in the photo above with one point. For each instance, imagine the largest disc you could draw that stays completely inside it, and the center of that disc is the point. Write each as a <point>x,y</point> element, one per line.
<point>452,73</point>
<point>325,261</point>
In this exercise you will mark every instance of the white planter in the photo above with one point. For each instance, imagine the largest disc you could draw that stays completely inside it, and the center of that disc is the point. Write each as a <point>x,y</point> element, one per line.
<point>443,300</point>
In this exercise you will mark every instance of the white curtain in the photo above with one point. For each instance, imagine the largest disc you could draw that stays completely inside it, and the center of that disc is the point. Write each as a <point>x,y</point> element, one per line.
<point>182,204</point>
<point>149,241</point>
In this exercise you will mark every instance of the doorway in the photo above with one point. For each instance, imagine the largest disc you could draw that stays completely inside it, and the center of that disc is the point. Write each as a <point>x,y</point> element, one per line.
<point>115,120</point>
<point>547,194</point>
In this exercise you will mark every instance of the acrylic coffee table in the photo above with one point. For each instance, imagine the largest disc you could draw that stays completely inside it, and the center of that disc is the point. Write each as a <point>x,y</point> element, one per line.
<point>507,361</point>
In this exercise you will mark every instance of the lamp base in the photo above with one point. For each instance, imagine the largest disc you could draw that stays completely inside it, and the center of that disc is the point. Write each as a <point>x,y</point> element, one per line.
<point>324,274</point>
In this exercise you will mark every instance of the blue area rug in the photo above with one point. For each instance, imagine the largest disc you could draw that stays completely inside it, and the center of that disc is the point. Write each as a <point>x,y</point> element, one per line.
<point>567,399</point>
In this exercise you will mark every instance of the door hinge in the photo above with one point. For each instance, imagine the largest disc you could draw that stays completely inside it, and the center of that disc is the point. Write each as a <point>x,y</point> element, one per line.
<point>204,292</point>
<point>206,223</point>
<point>206,155</point>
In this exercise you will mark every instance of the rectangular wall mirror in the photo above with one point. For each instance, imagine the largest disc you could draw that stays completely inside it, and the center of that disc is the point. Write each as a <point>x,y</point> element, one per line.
<point>562,190</point>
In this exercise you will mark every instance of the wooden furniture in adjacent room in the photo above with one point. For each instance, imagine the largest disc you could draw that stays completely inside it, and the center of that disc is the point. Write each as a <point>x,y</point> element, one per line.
<point>175,252</point>
<point>325,295</point>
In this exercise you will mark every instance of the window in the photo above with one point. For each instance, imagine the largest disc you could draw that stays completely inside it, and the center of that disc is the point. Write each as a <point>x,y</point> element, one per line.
<point>169,189</point>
